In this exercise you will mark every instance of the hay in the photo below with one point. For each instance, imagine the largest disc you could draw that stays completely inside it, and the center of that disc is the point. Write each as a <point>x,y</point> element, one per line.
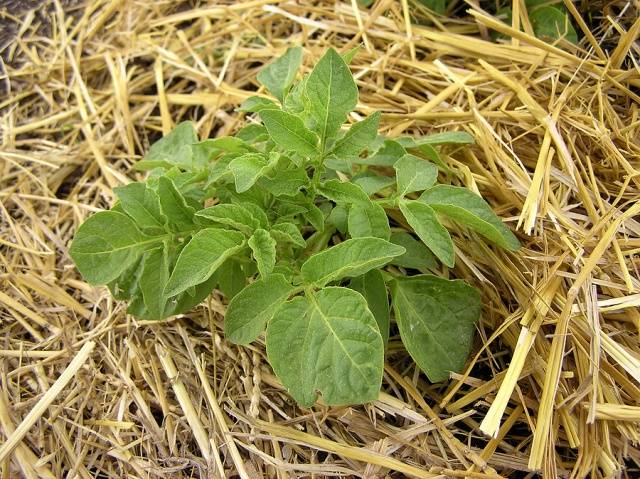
<point>554,385</point>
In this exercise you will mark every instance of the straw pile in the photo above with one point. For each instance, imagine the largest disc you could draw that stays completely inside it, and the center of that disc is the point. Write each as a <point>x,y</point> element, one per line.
<point>554,385</point>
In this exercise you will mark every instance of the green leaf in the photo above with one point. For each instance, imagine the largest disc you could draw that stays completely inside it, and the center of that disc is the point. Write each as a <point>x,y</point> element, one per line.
<point>357,138</point>
<point>230,277</point>
<point>390,152</point>
<point>414,174</point>
<point>447,138</point>
<point>106,245</point>
<point>343,192</point>
<point>368,220</point>
<point>142,204</point>
<point>330,93</point>
<point>256,103</point>
<point>199,259</point>
<point>253,133</point>
<point>285,183</point>
<point>436,318</point>
<point>424,222</point>
<point>288,232</point>
<point>247,169</point>
<point>351,258</point>
<point>155,274</point>
<point>371,286</point>
<point>338,164</point>
<point>279,75</point>
<point>351,54</point>
<point>469,209</point>
<point>314,216</point>
<point>438,6</point>
<point>174,149</point>
<point>339,217</point>
<point>417,255</point>
<point>289,133</point>
<point>204,152</point>
<point>174,206</point>
<point>235,216</point>
<point>328,343</point>
<point>258,213</point>
<point>372,183</point>
<point>125,286</point>
<point>550,23</point>
<point>251,308</point>
<point>264,250</point>
<point>294,101</point>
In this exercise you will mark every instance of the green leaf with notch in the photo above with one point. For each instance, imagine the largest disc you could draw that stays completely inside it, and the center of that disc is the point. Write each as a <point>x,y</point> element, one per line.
<point>424,222</point>
<point>414,174</point>
<point>351,258</point>
<point>279,75</point>
<point>247,169</point>
<point>330,93</point>
<point>251,308</point>
<point>328,343</point>
<point>469,209</point>
<point>390,152</point>
<point>174,149</point>
<point>142,204</point>
<point>343,192</point>
<point>371,286</point>
<point>368,220</point>
<point>155,274</point>
<point>230,278</point>
<point>264,250</point>
<point>106,245</point>
<point>436,318</point>
<point>289,133</point>
<point>235,216</point>
<point>254,104</point>
<point>447,138</point>
<point>285,183</point>
<point>417,255</point>
<point>174,206</point>
<point>372,183</point>
<point>200,258</point>
<point>357,138</point>
<point>288,232</point>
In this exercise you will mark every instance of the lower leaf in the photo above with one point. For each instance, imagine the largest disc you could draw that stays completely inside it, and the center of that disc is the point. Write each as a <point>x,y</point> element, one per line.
<point>436,318</point>
<point>327,342</point>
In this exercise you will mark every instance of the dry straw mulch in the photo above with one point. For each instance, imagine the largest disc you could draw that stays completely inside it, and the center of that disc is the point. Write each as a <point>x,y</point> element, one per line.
<point>554,385</point>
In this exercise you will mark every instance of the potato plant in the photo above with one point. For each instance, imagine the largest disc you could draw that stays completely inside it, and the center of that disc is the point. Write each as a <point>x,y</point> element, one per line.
<point>294,219</point>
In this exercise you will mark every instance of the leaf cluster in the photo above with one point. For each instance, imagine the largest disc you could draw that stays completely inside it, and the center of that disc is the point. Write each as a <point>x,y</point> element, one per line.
<point>296,220</point>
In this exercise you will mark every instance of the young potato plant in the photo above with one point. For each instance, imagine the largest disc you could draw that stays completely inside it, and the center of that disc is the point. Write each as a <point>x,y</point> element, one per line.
<point>293,219</point>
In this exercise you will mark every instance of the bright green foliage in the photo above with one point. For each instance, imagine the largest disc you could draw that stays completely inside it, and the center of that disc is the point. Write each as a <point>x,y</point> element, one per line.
<point>279,75</point>
<point>106,245</point>
<point>200,258</point>
<point>470,210</point>
<point>327,341</point>
<point>289,133</point>
<point>264,250</point>
<point>330,94</point>
<point>249,311</point>
<point>422,218</point>
<point>437,319</point>
<point>372,287</point>
<point>414,174</point>
<point>302,223</point>
<point>350,258</point>
<point>368,220</point>
<point>551,23</point>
